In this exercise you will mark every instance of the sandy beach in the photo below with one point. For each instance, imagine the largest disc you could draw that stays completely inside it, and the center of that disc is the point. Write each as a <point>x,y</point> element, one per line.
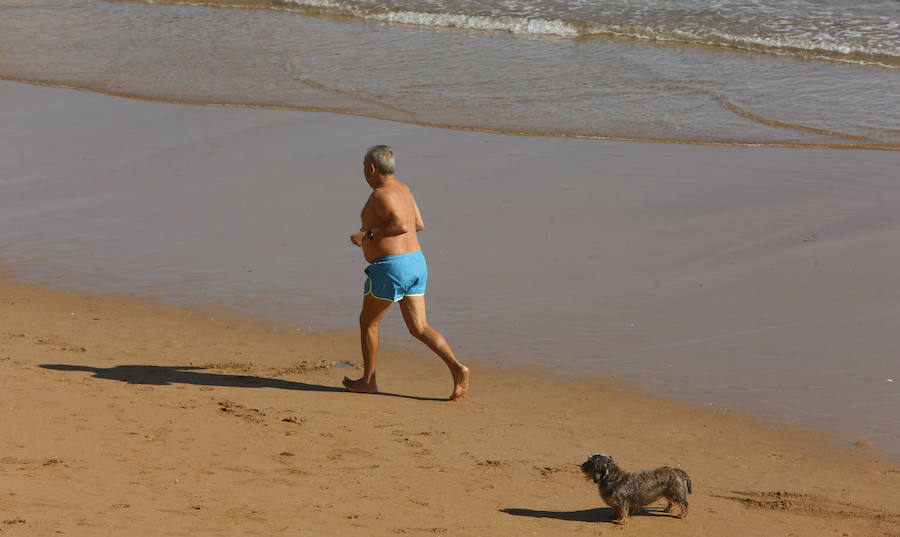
<point>179,300</point>
<point>123,416</point>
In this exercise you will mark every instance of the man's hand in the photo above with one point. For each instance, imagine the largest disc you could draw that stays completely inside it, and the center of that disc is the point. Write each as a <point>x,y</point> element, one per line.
<point>357,238</point>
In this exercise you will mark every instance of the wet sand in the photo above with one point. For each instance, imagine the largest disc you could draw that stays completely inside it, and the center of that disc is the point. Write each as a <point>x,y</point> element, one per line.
<point>126,416</point>
<point>755,279</point>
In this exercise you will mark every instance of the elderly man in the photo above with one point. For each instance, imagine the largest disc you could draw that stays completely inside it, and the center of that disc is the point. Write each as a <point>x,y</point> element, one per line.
<point>397,270</point>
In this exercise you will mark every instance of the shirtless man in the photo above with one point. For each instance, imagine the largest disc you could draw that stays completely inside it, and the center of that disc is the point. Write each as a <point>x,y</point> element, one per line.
<point>397,270</point>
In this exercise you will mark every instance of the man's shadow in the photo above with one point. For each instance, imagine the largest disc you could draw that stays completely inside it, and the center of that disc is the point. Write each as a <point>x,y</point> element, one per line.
<point>600,514</point>
<point>155,375</point>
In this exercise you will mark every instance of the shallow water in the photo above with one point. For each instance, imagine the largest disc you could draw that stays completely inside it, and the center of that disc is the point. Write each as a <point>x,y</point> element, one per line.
<point>816,73</point>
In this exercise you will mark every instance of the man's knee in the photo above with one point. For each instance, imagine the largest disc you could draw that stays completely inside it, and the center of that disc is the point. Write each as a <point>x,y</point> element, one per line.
<point>418,330</point>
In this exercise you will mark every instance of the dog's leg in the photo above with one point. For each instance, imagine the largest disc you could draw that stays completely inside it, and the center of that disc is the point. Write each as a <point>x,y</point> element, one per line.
<point>620,514</point>
<point>684,506</point>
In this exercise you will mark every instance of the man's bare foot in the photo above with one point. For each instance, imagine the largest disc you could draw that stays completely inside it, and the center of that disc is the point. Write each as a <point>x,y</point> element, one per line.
<point>460,383</point>
<point>360,385</point>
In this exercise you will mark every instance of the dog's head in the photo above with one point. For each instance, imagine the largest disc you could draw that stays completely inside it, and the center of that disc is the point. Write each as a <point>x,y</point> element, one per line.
<point>597,466</point>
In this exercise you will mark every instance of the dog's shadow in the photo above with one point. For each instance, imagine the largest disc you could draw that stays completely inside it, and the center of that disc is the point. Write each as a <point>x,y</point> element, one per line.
<point>166,375</point>
<point>600,514</point>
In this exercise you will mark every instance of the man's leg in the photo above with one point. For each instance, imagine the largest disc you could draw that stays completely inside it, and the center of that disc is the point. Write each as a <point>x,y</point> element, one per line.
<point>373,311</point>
<point>413,308</point>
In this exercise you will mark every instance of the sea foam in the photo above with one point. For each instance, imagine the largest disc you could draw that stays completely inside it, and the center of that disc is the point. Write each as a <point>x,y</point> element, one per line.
<point>805,44</point>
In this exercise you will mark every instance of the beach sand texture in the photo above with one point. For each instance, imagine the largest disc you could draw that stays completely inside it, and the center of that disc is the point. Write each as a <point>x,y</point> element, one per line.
<point>123,417</point>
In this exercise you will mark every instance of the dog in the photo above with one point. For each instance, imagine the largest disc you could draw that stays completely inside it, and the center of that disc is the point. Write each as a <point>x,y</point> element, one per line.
<point>627,492</point>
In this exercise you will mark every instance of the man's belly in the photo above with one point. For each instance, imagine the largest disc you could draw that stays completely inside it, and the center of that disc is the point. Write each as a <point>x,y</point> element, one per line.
<point>372,250</point>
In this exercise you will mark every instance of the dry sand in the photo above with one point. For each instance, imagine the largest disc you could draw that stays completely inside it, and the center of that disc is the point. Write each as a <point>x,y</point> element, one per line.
<point>123,417</point>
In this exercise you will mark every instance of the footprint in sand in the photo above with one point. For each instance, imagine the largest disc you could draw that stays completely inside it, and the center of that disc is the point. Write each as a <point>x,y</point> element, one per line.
<point>493,463</point>
<point>547,471</point>
<point>252,415</point>
<point>806,504</point>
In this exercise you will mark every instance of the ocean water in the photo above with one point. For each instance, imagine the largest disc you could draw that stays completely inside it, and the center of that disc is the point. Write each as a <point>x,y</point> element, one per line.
<point>801,72</point>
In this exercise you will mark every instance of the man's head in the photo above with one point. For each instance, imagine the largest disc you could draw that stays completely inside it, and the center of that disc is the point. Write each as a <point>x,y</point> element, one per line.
<point>381,158</point>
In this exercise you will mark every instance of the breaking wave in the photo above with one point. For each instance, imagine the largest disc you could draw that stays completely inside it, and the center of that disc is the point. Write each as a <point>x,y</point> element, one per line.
<point>807,45</point>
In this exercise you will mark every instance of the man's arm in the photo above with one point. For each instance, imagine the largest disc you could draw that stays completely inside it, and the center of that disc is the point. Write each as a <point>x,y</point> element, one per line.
<point>420,225</point>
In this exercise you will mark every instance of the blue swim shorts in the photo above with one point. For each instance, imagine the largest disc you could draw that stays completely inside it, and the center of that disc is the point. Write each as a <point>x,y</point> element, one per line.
<point>392,277</point>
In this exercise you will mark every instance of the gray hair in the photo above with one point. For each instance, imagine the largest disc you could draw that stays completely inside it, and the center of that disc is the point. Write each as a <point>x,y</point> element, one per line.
<point>382,157</point>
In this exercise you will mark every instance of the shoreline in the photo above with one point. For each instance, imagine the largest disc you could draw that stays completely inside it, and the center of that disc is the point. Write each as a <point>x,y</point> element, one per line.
<point>398,344</point>
<point>118,410</point>
<point>485,130</point>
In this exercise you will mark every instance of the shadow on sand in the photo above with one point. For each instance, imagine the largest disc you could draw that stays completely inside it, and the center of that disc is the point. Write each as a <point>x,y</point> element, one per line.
<point>167,375</point>
<point>600,514</point>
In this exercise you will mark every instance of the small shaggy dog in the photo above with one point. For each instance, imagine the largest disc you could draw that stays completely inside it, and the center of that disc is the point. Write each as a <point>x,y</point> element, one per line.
<point>627,492</point>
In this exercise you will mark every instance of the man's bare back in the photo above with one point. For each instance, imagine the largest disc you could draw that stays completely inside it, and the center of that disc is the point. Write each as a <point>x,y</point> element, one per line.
<point>398,271</point>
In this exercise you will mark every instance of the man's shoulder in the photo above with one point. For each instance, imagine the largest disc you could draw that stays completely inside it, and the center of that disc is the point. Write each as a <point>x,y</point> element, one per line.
<point>391,191</point>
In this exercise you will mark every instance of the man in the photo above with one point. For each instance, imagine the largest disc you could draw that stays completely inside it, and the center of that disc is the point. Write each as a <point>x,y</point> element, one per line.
<point>397,273</point>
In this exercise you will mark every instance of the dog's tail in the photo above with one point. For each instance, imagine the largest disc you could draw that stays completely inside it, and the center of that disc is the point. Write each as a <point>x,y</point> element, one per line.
<point>686,478</point>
